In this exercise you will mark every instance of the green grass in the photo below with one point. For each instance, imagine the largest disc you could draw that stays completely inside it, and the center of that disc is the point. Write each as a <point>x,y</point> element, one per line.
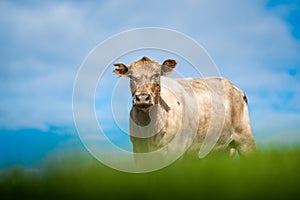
<point>269,174</point>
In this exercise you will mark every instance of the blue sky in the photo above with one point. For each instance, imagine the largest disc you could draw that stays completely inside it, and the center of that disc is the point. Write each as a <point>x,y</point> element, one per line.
<point>255,44</point>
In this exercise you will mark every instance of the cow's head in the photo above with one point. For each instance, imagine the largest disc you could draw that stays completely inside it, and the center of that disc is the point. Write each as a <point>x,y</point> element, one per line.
<point>144,77</point>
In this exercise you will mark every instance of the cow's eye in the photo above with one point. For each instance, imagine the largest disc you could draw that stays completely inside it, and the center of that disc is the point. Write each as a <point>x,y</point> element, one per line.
<point>155,76</point>
<point>133,78</point>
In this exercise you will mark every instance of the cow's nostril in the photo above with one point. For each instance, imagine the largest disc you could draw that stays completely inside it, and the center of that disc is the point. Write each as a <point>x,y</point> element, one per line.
<point>137,98</point>
<point>147,98</point>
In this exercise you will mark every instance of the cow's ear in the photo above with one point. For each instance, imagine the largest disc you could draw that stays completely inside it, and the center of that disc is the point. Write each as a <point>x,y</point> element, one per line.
<point>168,66</point>
<point>121,70</point>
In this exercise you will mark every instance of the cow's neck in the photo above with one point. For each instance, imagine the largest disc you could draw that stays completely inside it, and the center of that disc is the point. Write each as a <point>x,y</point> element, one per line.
<point>151,120</point>
<point>142,117</point>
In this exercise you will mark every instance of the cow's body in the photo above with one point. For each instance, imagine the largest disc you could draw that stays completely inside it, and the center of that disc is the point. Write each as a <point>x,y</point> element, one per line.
<point>236,132</point>
<point>208,104</point>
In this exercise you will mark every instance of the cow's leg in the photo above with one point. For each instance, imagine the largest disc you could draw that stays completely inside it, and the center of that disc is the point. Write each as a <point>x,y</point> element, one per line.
<point>242,133</point>
<point>139,145</point>
<point>241,127</point>
<point>232,152</point>
<point>244,142</point>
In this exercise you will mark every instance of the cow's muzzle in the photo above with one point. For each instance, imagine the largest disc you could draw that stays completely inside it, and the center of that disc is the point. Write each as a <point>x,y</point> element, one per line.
<point>142,100</point>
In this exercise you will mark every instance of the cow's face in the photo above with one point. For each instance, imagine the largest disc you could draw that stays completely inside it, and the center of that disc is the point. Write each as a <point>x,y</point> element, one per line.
<point>144,77</point>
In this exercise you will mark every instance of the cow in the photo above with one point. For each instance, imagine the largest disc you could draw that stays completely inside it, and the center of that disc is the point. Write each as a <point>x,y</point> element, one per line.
<point>203,100</point>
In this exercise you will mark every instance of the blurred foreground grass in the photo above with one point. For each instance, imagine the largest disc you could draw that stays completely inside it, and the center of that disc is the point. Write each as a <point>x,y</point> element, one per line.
<point>269,174</point>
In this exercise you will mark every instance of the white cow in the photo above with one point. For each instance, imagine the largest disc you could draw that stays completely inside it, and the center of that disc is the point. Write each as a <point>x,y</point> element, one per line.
<point>201,110</point>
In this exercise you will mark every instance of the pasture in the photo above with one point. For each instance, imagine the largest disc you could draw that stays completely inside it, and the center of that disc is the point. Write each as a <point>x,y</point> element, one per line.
<point>271,173</point>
